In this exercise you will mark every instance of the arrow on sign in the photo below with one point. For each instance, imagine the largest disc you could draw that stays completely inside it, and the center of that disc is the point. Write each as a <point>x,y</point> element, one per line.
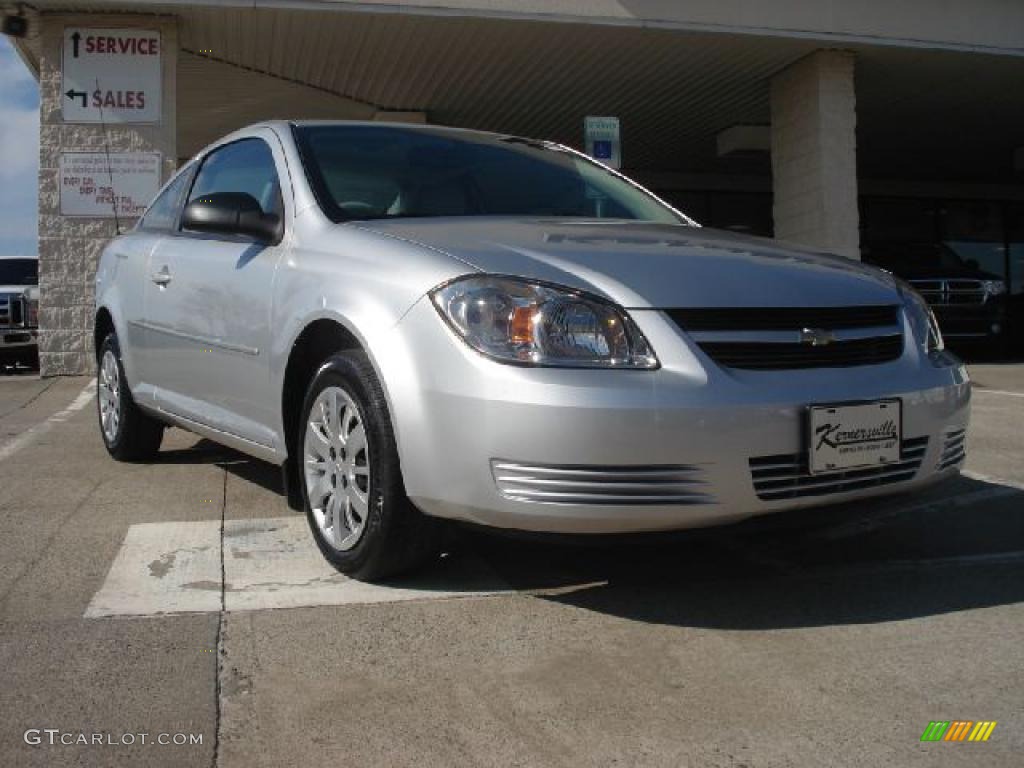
<point>73,94</point>
<point>74,40</point>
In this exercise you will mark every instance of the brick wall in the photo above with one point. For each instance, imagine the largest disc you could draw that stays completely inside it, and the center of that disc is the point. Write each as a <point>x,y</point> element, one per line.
<point>814,153</point>
<point>69,248</point>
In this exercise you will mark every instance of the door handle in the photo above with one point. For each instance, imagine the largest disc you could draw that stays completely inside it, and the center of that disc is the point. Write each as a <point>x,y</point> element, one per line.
<point>163,277</point>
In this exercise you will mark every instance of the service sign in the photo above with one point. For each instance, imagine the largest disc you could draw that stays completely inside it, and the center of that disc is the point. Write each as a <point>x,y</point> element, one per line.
<point>111,76</point>
<point>86,188</point>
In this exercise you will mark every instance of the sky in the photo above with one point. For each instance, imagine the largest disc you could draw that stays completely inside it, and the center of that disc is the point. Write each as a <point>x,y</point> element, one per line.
<point>19,154</point>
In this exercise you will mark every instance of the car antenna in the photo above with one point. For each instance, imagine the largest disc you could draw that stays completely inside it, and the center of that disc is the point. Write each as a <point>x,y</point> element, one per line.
<point>110,169</point>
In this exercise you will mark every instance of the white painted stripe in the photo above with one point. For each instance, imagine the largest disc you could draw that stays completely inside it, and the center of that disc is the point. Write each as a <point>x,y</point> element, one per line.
<point>994,480</point>
<point>163,568</point>
<point>1012,557</point>
<point>1003,392</point>
<point>167,568</point>
<point>11,447</point>
<point>274,563</point>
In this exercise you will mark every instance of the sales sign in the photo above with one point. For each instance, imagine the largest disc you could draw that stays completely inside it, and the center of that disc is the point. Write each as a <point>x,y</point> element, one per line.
<point>95,183</point>
<point>111,76</point>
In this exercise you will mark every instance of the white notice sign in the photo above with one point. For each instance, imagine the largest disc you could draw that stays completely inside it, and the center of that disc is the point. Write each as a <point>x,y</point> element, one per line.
<point>85,188</point>
<point>111,75</point>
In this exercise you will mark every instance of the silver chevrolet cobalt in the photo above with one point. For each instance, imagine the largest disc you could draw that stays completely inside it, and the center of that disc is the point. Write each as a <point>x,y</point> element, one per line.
<point>423,324</point>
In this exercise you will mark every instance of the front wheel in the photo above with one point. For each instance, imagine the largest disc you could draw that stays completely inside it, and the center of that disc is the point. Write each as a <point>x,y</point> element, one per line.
<point>128,433</point>
<point>352,486</point>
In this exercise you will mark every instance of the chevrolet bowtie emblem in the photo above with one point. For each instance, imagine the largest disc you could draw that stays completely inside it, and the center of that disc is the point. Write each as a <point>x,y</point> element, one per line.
<point>816,337</point>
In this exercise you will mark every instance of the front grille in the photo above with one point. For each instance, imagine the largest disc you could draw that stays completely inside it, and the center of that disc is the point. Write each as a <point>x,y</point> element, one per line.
<point>787,476</point>
<point>588,484</point>
<point>954,449</point>
<point>758,356</point>
<point>778,338</point>
<point>12,311</point>
<point>784,318</point>
<point>944,293</point>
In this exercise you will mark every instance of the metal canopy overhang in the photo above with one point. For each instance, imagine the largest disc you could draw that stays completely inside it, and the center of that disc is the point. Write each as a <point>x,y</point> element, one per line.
<point>984,26</point>
<point>922,112</point>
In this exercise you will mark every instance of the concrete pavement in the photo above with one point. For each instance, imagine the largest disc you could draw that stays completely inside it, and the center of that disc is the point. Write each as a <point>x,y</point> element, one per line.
<point>825,637</point>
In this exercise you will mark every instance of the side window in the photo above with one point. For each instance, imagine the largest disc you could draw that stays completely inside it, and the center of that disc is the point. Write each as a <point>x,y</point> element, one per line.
<point>163,212</point>
<point>244,166</point>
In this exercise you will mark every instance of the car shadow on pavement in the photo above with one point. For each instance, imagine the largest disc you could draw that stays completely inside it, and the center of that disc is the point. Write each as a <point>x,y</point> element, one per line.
<point>960,548</point>
<point>244,467</point>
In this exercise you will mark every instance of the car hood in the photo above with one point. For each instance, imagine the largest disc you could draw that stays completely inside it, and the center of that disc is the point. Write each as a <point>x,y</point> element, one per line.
<point>641,265</point>
<point>32,291</point>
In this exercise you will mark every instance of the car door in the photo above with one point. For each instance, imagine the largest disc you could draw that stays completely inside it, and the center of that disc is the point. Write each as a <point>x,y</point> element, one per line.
<point>208,305</point>
<point>159,222</point>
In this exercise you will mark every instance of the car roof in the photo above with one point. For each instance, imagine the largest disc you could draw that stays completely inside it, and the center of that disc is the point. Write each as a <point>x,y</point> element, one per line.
<point>284,126</point>
<point>18,256</point>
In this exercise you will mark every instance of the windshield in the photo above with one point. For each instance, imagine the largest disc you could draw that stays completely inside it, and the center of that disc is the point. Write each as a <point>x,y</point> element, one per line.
<point>19,272</point>
<point>376,172</point>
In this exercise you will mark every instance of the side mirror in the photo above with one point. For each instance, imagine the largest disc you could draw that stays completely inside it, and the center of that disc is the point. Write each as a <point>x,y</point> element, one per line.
<point>231,213</point>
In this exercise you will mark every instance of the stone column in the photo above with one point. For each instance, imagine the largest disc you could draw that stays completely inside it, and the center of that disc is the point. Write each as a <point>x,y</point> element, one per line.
<point>69,247</point>
<point>814,153</point>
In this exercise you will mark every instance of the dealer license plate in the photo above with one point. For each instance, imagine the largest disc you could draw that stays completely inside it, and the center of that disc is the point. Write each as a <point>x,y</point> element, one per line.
<point>851,436</point>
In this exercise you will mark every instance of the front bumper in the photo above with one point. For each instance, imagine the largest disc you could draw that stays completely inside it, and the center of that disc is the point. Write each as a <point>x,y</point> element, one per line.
<point>980,321</point>
<point>21,339</point>
<point>465,425</point>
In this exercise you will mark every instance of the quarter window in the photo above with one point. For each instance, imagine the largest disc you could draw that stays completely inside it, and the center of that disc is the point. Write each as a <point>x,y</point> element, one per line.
<point>243,166</point>
<point>163,212</point>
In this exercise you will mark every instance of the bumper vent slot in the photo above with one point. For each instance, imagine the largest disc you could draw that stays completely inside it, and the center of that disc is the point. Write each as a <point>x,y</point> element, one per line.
<point>587,484</point>
<point>954,449</point>
<point>788,477</point>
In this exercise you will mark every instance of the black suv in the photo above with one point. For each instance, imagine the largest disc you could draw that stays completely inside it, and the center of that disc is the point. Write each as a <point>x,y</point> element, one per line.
<point>968,302</point>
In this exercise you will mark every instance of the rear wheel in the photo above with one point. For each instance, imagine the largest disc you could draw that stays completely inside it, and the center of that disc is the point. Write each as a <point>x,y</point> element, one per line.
<point>128,433</point>
<point>352,487</point>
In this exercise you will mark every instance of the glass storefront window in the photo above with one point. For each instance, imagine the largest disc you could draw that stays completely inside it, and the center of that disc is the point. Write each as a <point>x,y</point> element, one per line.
<point>749,213</point>
<point>1015,228</point>
<point>899,234</point>
<point>974,232</point>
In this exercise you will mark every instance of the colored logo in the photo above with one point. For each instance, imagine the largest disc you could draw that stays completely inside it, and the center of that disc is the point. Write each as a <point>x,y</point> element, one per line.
<point>958,730</point>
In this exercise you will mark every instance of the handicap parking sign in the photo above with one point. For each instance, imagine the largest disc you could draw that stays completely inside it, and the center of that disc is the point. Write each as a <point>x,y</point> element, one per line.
<point>601,137</point>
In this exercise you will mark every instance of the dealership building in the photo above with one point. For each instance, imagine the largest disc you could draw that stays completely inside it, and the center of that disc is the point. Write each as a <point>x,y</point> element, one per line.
<point>887,130</point>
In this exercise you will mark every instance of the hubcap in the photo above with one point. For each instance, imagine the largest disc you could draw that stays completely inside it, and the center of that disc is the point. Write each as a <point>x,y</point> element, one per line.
<point>336,463</point>
<point>110,396</point>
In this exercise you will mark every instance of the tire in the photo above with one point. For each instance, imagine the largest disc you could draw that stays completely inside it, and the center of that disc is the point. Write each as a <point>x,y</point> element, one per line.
<point>127,432</point>
<point>350,477</point>
<point>31,359</point>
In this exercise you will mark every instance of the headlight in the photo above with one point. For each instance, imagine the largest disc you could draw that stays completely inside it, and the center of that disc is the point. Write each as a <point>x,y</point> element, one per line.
<point>527,323</point>
<point>993,287</point>
<point>31,311</point>
<point>923,324</point>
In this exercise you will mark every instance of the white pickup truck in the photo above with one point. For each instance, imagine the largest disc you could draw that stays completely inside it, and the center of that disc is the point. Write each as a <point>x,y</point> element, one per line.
<point>19,310</point>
